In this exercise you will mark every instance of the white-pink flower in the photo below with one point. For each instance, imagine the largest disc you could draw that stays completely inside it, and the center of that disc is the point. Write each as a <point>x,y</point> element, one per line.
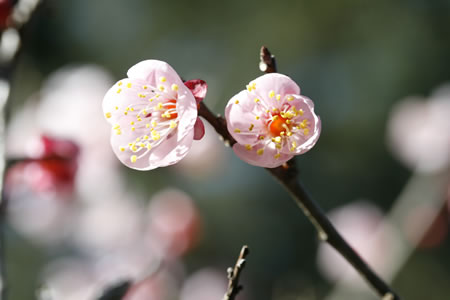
<point>271,121</point>
<point>152,114</point>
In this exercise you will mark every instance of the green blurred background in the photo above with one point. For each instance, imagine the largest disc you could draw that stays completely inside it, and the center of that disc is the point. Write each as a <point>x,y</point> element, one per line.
<point>355,59</point>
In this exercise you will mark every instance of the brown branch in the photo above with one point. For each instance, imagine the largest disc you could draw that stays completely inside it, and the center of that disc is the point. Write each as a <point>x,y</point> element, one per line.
<point>233,275</point>
<point>287,175</point>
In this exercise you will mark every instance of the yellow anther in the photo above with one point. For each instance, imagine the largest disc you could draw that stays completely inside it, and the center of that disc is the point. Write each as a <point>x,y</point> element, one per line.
<point>117,126</point>
<point>274,109</point>
<point>253,85</point>
<point>260,151</point>
<point>120,83</point>
<point>149,146</point>
<point>278,97</point>
<point>301,112</point>
<point>173,124</point>
<point>271,94</point>
<point>282,133</point>
<point>155,135</point>
<point>134,148</point>
<point>294,144</point>
<point>157,95</point>
<point>162,79</point>
<point>236,102</point>
<point>159,105</point>
<point>131,123</point>
<point>257,117</point>
<point>290,98</point>
<point>145,137</point>
<point>142,145</point>
<point>154,123</point>
<point>147,125</point>
<point>274,117</point>
<point>262,137</point>
<point>251,127</point>
<point>289,115</point>
<point>122,149</point>
<point>277,156</point>
<point>118,91</point>
<point>237,130</point>
<point>133,158</point>
<point>289,133</point>
<point>256,100</point>
<point>133,128</point>
<point>151,99</point>
<point>125,113</point>
<point>249,88</point>
<point>129,85</point>
<point>174,87</point>
<point>118,131</point>
<point>139,118</point>
<point>132,109</point>
<point>288,122</point>
<point>306,131</point>
<point>145,87</point>
<point>304,124</point>
<point>138,139</point>
<point>278,146</point>
<point>116,108</point>
<point>144,112</point>
<point>161,88</point>
<point>276,139</point>
<point>292,149</point>
<point>248,147</point>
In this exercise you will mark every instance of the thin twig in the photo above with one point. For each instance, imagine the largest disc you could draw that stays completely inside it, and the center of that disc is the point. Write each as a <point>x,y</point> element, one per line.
<point>233,275</point>
<point>287,175</point>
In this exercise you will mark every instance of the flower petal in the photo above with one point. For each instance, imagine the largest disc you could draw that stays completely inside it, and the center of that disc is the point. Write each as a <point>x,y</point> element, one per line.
<point>199,129</point>
<point>243,121</point>
<point>267,158</point>
<point>153,72</point>
<point>277,83</point>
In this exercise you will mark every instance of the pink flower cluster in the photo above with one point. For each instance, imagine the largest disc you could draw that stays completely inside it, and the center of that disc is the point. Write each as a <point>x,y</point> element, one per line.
<point>271,121</point>
<point>154,118</point>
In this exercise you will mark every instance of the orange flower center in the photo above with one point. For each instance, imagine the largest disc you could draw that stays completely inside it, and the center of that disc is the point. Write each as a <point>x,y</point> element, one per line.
<point>277,125</point>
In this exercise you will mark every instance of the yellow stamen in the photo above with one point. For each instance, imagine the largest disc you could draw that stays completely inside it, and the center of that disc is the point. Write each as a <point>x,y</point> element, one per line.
<point>133,158</point>
<point>271,94</point>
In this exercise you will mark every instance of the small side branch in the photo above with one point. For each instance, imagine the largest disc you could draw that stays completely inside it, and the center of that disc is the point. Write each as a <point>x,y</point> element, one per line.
<point>233,275</point>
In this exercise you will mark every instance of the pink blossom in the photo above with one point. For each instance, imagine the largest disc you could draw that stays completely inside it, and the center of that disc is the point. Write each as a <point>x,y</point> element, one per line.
<point>152,114</point>
<point>271,121</point>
